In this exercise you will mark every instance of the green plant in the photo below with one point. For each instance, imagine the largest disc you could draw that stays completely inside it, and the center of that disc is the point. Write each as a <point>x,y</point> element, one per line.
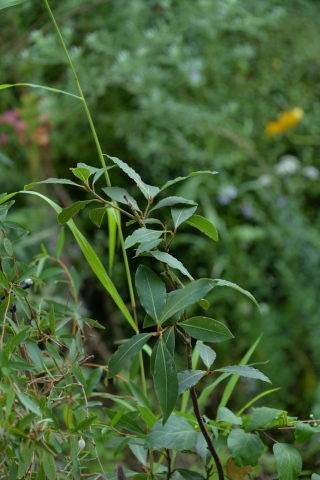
<point>166,313</point>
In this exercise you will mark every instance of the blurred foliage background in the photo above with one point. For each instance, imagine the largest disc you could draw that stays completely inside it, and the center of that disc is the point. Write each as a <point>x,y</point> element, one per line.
<point>174,87</point>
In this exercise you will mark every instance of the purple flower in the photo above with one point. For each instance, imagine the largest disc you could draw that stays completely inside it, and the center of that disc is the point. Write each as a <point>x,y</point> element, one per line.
<point>247,210</point>
<point>282,202</point>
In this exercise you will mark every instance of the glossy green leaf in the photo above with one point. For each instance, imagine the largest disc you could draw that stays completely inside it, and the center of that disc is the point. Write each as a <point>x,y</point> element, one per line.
<point>261,417</point>
<point>190,474</point>
<point>182,298</point>
<point>289,462</point>
<point>69,212</point>
<point>126,352</point>
<point>60,242</point>
<point>303,432</point>
<point>207,355</point>
<point>206,329</point>
<point>28,403</point>
<point>171,261</point>
<point>82,173</point>
<point>244,448</point>
<point>119,195</point>
<point>165,379</point>
<point>147,416</point>
<point>52,320</point>
<point>204,225</point>
<point>188,379</point>
<point>226,415</point>
<point>177,434</point>
<point>142,235</point>
<point>147,246</point>
<point>171,201</point>
<point>96,215</point>
<point>180,179</point>
<point>61,181</point>
<point>244,371</point>
<point>168,338</point>
<point>151,291</point>
<point>147,190</point>
<point>180,215</point>
<point>7,85</point>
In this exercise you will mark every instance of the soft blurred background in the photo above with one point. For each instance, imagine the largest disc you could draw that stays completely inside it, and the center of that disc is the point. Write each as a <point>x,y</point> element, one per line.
<point>175,87</point>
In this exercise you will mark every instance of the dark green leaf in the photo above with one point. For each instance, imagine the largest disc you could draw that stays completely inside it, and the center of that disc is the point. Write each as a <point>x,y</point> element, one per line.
<point>3,282</point>
<point>206,329</point>
<point>96,215</point>
<point>179,179</point>
<point>147,246</point>
<point>41,473</point>
<point>61,181</point>
<point>100,172</point>
<point>119,195</point>
<point>261,417</point>
<point>60,242</point>
<point>206,353</point>
<point>82,173</point>
<point>67,213</point>
<point>245,448</point>
<point>147,416</point>
<point>180,215</point>
<point>126,352</point>
<point>289,462</point>
<point>177,434</point>
<point>169,341</point>
<point>151,291</point>
<point>226,415</point>
<point>171,261</point>
<point>52,320</point>
<point>83,425</point>
<point>244,371</point>
<point>189,474</point>
<point>204,225</point>
<point>303,432</point>
<point>188,379</point>
<point>170,201</point>
<point>166,382</point>
<point>139,395</point>
<point>142,235</point>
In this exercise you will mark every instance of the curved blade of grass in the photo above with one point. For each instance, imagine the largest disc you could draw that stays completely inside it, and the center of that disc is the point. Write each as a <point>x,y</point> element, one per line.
<point>112,227</point>
<point>93,261</point>
<point>255,399</point>
<point>55,90</point>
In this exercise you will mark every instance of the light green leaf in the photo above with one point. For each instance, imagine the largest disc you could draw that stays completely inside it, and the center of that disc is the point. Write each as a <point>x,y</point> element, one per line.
<point>182,298</point>
<point>126,352</point>
<point>190,474</point>
<point>151,291</point>
<point>289,462</point>
<point>244,448</point>
<point>171,261</point>
<point>206,329</point>
<point>142,235</point>
<point>204,225</point>
<point>119,195</point>
<point>226,415</point>
<point>26,274</point>
<point>147,246</point>
<point>74,460</point>
<point>99,172</point>
<point>177,434</point>
<point>52,351</point>
<point>139,452</point>
<point>261,417</point>
<point>67,213</point>
<point>3,282</point>
<point>179,179</point>
<point>166,383</point>
<point>52,320</point>
<point>147,416</point>
<point>61,181</point>
<point>207,355</point>
<point>188,379</point>
<point>6,4</point>
<point>303,432</point>
<point>48,464</point>
<point>139,395</point>
<point>7,85</point>
<point>60,242</point>
<point>225,283</point>
<point>315,476</point>
<point>244,372</point>
<point>28,403</point>
<point>180,215</point>
<point>83,425</point>
<point>147,190</point>
<point>78,374</point>
<point>96,215</point>
<point>26,456</point>
<point>170,201</point>
<point>41,473</point>
<point>112,227</point>
<point>8,246</point>
<point>82,173</point>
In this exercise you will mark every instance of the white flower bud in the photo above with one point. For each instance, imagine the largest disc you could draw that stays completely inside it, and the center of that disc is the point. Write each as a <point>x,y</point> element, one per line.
<point>81,444</point>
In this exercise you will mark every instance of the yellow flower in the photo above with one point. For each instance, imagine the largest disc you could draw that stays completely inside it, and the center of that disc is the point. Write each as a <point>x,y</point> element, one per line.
<point>286,120</point>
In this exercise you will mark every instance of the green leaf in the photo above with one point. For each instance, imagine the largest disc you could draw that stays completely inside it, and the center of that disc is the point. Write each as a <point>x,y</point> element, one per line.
<point>151,291</point>
<point>289,462</point>
<point>170,201</point>
<point>180,215</point>
<point>147,190</point>
<point>244,448</point>
<point>26,274</point>
<point>206,329</point>
<point>169,341</point>
<point>60,243</point>
<point>179,179</point>
<point>26,457</point>
<point>142,235</point>
<point>166,382</point>
<point>139,395</point>
<point>99,172</point>
<point>123,421</point>
<point>180,299</point>
<point>82,173</point>
<point>119,195</point>
<point>49,467</point>
<point>206,353</point>
<point>171,261</point>
<point>147,246</point>
<point>303,432</point>
<point>41,473</point>
<point>244,372</point>
<point>52,320</point>
<point>315,476</point>
<point>177,434</point>
<point>225,283</point>
<point>28,403</point>
<point>77,372</point>
<point>3,305</point>
<point>112,226</point>
<point>8,246</point>
<point>140,453</point>
<point>188,379</point>
<point>3,282</point>
<point>126,352</point>
<point>261,417</point>
<point>7,85</point>
<point>83,425</point>
<point>204,225</point>
<point>147,416</point>
<point>226,415</point>
<point>61,181</point>
<point>96,215</point>
<point>52,351</point>
<point>74,460</point>
<point>67,213</point>
<point>189,474</point>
